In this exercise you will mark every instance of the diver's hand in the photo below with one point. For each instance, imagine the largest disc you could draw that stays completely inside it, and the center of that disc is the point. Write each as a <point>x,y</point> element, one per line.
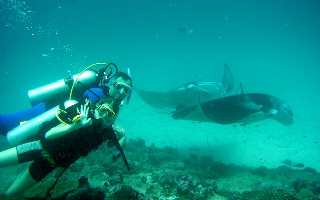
<point>83,114</point>
<point>64,129</point>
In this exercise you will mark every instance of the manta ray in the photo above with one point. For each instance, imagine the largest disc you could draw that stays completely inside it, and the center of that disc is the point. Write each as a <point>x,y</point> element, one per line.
<point>241,108</point>
<point>191,93</point>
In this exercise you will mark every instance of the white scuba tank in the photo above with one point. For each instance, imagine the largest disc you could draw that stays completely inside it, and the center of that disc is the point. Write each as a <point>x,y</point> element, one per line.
<point>30,129</point>
<point>56,92</point>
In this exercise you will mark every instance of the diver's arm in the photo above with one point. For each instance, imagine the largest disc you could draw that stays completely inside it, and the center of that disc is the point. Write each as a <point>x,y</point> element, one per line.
<point>59,130</point>
<point>63,129</point>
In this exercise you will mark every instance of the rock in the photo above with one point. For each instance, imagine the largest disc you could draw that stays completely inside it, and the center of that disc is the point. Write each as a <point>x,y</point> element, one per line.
<point>116,179</point>
<point>85,192</point>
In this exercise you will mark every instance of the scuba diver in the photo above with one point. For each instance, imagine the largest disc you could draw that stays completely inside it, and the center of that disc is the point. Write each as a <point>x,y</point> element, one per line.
<point>71,132</point>
<point>46,97</point>
<point>92,84</point>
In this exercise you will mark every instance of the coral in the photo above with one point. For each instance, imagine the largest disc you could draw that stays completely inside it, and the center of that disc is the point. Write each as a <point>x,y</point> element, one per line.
<point>185,185</point>
<point>169,174</point>
<point>266,195</point>
<point>315,187</point>
<point>126,192</point>
<point>260,171</point>
<point>299,184</point>
<point>167,178</point>
<point>305,194</point>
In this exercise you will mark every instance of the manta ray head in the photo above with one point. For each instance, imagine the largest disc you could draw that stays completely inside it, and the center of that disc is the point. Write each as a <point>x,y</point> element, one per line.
<point>282,112</point>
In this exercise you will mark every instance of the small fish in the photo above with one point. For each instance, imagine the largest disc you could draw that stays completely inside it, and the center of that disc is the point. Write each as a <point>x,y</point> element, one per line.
<point>186,30</point>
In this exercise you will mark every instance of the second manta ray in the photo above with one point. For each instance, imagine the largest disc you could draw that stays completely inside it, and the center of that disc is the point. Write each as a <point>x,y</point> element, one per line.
<point>242,108</point>
<point>190,93</point>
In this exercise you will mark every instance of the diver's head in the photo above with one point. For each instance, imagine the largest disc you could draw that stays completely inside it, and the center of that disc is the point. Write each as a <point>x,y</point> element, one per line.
<point>282,112</point>
<point>121,87</point>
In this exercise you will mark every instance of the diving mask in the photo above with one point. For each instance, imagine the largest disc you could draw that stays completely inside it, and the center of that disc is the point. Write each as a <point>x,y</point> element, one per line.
<point>122,88</point>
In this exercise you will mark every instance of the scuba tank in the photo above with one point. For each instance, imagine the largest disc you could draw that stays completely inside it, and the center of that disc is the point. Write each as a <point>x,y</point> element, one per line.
<point>58,91</point>
<point>30,129</point>
<point>64,113</point>
<point>54,95</point>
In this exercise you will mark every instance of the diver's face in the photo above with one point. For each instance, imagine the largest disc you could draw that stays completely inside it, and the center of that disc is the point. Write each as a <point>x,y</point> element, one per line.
<point>120,89</point>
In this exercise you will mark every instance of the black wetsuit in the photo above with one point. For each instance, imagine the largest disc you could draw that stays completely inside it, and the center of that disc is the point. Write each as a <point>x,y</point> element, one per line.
<point>68,148</point>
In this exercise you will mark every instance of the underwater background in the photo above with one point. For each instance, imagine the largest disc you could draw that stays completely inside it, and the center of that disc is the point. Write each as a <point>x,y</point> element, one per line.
<point>271,47</point>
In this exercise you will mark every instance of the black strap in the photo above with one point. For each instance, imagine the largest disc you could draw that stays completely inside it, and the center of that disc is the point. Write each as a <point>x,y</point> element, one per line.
<point>111,135</point>
<point>50,189</point>
<point>120,149</point>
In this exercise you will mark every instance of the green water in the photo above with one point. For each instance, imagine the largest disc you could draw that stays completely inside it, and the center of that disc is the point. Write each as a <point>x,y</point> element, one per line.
<point>271,47</point>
